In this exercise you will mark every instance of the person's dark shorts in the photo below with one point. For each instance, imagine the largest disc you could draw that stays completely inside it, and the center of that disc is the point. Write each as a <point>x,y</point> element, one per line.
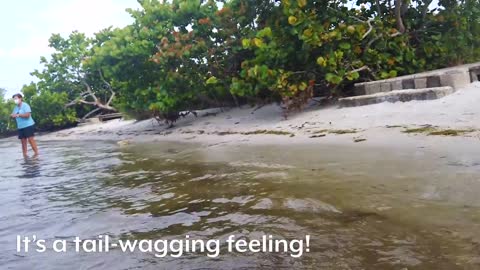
<point>27,132</point>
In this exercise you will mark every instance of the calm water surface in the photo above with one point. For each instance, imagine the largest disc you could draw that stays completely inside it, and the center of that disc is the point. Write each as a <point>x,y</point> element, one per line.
<point>363,209</point>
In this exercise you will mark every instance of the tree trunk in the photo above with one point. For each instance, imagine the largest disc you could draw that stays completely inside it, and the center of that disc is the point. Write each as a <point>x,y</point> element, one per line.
<point>398,15</point>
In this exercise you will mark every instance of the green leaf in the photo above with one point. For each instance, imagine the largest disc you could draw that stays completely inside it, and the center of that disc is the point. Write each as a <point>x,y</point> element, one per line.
<point>212,80</point>
<point>246,43</point>
<point>333,78</point>
<point>355,75</point>
<point>345,46</point>
<point>265,32</point>
<point>351,76</point>
<point>258,42</point>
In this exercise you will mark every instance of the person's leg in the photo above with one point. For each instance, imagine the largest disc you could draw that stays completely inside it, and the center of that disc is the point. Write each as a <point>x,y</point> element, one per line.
<point>33,144</point>
<point>24,146</point>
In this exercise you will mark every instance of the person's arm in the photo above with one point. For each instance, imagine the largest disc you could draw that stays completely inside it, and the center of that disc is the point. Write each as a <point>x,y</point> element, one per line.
<point>26,112</point>
<point>23,115</point>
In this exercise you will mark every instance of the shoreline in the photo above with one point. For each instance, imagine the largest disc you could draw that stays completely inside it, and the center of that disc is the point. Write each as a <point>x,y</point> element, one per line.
<point>451,123</point>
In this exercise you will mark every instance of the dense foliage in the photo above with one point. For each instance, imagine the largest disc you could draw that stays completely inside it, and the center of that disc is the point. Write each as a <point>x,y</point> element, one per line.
<point>191,54</point>
<point>48,110</point>
<point>6,108</point>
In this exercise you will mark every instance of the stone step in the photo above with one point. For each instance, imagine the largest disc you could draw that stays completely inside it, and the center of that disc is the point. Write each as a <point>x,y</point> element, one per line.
<point>455,77</point>
<point>397,95</point>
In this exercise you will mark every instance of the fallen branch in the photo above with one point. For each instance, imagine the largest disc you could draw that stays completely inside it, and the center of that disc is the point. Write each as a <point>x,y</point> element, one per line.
<point>90,113</point>
<point>96,102</point>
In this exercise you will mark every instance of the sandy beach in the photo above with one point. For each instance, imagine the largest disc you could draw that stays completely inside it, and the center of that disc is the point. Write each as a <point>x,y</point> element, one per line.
<point>451,123</point>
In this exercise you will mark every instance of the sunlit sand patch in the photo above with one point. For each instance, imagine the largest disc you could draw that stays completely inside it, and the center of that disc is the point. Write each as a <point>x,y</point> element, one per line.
<point>310,205</point>
<point>260,165</point>
<point>272,175</point>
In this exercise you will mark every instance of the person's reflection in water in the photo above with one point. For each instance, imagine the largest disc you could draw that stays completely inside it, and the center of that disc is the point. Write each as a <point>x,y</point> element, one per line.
<point>31,167</point>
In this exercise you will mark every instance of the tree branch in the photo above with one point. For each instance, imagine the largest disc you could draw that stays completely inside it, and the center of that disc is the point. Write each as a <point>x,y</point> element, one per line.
<point>90,113</point>
<point>360,69</point>
<point>354,17</point>
<point>379,9</point>
<point>89,90</point>
<point>424,15</point>
<point>96,102</point>
<point>425,8</point>
<point>379,37</point>
<point>369,22</point>
<point>87,102</point>
<point>109,88</point>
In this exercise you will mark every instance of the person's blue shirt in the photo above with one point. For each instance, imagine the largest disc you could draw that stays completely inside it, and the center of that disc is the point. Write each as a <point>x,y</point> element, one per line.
<point>23,122</point>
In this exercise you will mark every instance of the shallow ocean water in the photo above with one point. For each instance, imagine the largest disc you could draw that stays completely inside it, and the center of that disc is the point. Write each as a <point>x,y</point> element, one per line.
<point>374,209</point>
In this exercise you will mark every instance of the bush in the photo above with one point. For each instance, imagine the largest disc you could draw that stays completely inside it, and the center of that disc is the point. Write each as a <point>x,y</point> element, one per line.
<point>49,112</point>
<point>7,124</point>
<point>185,55</point>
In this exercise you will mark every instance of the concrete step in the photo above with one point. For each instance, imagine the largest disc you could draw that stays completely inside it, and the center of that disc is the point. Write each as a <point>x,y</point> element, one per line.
<point>397,95</point>
<point>455,77</point>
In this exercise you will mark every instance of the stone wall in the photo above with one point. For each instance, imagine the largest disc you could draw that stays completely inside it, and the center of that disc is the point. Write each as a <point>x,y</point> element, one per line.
<point>455,77</point>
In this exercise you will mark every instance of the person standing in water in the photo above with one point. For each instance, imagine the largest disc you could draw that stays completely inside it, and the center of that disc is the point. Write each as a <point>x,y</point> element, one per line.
<point>25,124</point>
